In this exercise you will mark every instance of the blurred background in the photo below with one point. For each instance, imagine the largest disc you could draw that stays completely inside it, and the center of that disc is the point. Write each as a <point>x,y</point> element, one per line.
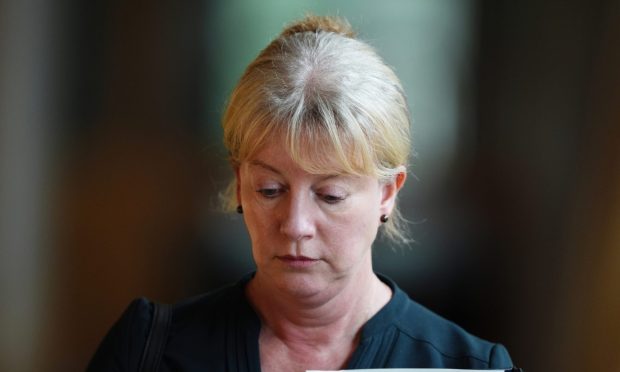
<point>111,163</point>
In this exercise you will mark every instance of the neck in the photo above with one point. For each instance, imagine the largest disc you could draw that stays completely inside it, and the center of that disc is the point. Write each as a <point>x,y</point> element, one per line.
<point>335,315</point>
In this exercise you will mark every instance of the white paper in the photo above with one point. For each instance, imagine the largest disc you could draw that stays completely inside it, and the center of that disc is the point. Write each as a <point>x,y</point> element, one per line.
<point>414,370</point>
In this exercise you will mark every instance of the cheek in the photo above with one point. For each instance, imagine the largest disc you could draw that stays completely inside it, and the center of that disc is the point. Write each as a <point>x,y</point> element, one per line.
<point>351,233</point>
<point>360,219</point>
<point>260,223</point>
<point>261,237</point>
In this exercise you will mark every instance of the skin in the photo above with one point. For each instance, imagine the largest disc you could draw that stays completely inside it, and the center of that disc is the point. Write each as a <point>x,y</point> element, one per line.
<point>311,235</point>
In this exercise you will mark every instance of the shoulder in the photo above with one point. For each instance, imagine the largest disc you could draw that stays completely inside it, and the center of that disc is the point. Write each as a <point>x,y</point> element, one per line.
<point>437,342</point>
<point>448,340</point>
<point>121,348</point>
<point>191,319</point>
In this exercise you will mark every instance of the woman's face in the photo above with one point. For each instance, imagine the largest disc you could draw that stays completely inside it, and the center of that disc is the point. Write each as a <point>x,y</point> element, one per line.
<point>309,231</point>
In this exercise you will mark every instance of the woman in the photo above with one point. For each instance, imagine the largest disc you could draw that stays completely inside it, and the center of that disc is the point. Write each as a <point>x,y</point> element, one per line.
<point>318,135</point>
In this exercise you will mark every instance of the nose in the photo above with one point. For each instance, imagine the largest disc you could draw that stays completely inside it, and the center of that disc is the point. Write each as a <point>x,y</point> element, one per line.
<point>297,222</point>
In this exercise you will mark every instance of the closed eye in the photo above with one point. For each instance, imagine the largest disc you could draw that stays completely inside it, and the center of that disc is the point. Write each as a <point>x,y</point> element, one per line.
<point>270,193</point>
<point>331,199</point>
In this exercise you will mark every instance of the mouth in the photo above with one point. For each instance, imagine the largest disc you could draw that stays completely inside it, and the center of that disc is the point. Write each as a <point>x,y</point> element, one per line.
<point>297,261</point>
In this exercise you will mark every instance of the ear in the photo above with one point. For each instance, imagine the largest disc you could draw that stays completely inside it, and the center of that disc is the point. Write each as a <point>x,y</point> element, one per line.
<point>390,189</point>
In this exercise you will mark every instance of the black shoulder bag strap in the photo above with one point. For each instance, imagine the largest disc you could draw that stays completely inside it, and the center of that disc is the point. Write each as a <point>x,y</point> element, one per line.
<point>156,340</point>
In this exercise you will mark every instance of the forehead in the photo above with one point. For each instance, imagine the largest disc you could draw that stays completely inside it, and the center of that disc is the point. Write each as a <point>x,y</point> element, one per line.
<point>274,155</point>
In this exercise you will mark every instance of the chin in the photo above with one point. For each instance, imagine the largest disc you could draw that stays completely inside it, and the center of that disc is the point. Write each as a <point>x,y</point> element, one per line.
<point>302,285</point>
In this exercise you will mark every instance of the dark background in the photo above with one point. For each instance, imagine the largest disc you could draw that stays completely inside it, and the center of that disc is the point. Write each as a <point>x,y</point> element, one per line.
<point>111,164</point>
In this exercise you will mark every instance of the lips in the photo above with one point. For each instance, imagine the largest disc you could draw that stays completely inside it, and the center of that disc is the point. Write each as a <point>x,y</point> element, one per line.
<point>297,261</point>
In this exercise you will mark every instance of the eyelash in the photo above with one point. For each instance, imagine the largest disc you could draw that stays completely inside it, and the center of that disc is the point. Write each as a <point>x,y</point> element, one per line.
<point>272,193</point>
<point>331,199</point>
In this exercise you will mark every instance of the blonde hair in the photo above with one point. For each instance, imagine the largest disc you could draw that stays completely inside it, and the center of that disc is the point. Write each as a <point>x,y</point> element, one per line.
<point>331,97</point>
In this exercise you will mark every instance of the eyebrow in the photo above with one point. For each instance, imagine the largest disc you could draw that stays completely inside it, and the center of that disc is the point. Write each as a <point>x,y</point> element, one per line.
<point>261,164</point>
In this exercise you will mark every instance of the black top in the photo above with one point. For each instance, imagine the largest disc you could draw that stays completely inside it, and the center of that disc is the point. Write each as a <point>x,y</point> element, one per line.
<point>219,331</point>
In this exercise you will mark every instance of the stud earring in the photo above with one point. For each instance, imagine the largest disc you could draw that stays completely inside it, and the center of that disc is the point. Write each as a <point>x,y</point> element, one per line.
<point>239,209</point>
<point>384,218</point>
